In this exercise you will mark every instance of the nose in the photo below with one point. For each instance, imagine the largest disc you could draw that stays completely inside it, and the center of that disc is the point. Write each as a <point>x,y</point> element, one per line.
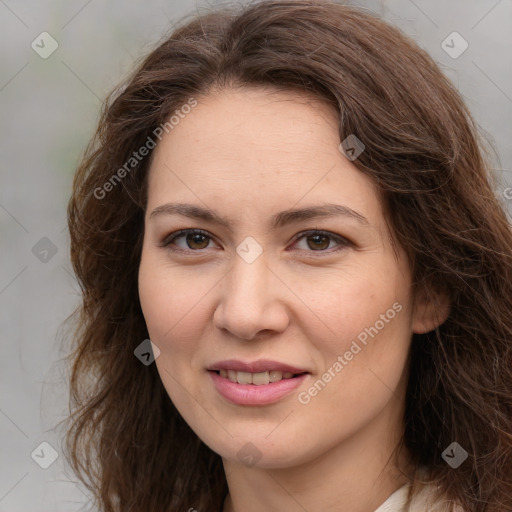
<point>252,300</point>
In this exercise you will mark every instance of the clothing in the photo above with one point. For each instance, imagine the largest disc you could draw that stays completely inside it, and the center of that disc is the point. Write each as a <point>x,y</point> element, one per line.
<point>396,502</point>
<point>425,501</point>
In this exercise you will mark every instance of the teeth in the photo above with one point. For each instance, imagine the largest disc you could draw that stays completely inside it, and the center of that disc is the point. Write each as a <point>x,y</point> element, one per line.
<point>244,377</point>
<point>258,379</point>
<point>275,375</point>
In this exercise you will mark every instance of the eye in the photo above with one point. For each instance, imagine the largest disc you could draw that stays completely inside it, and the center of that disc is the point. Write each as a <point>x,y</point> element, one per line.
<point>320,241</point>
<point>195,240</point>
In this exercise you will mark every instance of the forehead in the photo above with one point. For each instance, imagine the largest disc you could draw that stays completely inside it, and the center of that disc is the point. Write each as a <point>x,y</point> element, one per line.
<point>257,148</point>
<point>251,124</point>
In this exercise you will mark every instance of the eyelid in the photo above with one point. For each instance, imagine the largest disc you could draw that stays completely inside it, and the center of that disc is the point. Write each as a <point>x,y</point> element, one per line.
<point>342,241</point>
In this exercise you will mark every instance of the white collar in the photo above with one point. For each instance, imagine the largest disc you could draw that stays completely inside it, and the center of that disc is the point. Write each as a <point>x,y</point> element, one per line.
<point>396,501</point>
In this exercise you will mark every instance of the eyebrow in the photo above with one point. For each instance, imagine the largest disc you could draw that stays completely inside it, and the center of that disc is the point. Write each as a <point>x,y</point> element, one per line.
<point>278,220</point>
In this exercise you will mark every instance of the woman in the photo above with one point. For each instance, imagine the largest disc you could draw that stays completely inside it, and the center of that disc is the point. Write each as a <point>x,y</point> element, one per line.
<point>292,203</point>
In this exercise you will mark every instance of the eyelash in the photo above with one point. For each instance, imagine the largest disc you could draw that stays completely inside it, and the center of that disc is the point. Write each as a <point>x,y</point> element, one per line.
<point>166,243</point>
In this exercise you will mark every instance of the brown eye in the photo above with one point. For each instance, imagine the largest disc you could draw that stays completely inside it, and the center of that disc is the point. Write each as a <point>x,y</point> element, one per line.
<point>320,242</point>
<point>197,241</point>
<point>194,240</point>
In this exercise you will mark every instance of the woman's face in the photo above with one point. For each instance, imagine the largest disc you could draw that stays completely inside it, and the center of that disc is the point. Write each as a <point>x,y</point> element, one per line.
<point>293,272</point>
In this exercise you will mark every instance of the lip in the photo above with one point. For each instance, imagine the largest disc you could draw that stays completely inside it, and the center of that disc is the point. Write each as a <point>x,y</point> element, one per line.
<point>262,365</point>
<point>250,394</point>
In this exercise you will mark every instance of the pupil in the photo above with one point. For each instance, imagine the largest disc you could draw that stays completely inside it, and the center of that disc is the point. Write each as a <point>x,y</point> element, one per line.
<point>192,239</point>
<point>317,237</point>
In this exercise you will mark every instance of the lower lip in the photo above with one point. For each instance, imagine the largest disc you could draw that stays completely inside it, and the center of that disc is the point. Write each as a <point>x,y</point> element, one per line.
<point>250,394</point>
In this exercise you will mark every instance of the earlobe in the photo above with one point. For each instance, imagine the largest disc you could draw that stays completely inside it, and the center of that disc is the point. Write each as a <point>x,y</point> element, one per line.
<point>431,309</point>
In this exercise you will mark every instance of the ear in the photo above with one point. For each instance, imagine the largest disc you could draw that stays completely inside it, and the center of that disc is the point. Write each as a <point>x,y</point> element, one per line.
<point>431,309</point>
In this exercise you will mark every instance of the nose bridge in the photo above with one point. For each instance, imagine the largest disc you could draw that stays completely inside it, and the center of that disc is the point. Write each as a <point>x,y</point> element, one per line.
<point>249,302</point>
<point>248,285</point>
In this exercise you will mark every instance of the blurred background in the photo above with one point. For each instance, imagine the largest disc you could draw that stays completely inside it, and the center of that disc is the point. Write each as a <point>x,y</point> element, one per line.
<point>59,61</point>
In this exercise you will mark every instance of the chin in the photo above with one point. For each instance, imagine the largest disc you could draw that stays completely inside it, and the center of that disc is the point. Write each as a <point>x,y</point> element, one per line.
<point>261,452</point>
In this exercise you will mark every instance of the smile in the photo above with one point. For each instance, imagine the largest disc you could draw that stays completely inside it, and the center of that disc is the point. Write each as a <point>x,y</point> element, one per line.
<point>257,387</point>
<point>258,379</point>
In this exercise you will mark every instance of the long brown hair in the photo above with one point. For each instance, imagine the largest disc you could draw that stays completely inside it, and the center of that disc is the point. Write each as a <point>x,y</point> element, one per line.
<point>125,439</point>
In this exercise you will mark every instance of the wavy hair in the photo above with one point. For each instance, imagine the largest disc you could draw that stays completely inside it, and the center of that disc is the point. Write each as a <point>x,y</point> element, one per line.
<point>125,440</point>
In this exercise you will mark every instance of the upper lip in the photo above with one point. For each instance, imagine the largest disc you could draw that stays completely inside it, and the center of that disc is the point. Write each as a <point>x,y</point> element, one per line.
<point>262,365</point>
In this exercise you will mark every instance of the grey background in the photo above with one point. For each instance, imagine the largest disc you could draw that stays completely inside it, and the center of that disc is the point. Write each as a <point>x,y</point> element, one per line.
<point>49,109</point>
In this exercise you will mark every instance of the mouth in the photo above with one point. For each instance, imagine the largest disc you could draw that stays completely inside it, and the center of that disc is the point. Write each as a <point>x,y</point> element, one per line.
<point>256,379</point>
<point>256,383</point>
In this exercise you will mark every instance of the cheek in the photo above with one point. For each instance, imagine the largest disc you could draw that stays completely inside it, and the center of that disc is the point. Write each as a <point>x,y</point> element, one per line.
<point>367,321</point>
<point>171,310</point>
<point>365,364</point>
<point>172,301</point>
<point>356,303</point>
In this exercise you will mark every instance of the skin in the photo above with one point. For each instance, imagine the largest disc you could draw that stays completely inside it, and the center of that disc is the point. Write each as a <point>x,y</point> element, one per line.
<point>248,154</point>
